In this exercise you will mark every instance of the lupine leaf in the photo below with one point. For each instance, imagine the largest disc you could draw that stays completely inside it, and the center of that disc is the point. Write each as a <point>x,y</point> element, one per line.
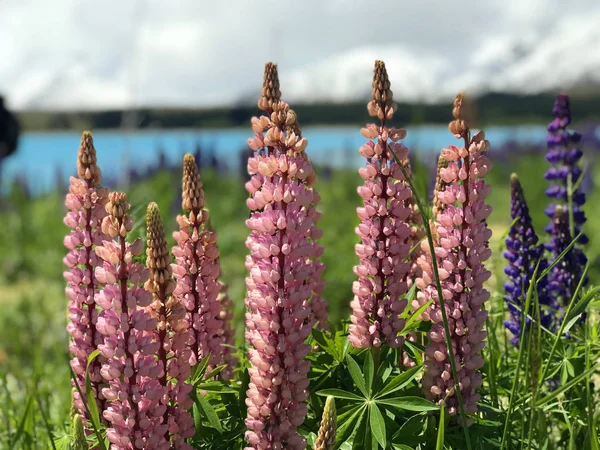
<point>325,343</point>
<point>582,304</point>
<point>346,429</point>
<point>339,393</point>
<point>415,316</point>
<point>216,386</point>
<point>409,403</point>
<point>213,373</point>
<point>356,375</point>
<point>377,425</point>
<point>565,387</point>
<point>399,381</point>
<point>199,370</point>
<point>208,410</point>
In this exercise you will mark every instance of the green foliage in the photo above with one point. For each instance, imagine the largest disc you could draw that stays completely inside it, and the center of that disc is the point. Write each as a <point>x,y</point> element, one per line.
<point>379,403</point>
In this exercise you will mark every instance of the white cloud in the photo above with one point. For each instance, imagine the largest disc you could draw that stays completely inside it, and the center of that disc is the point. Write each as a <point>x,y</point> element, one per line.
<point>82,54</point>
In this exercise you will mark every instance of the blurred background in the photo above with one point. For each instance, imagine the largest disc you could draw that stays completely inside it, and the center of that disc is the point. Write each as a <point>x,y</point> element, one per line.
<point>155,80</point>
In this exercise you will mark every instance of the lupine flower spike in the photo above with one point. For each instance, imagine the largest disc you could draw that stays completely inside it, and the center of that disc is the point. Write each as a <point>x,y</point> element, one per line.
<point>524,253</point>
<point>326,436</point>
<point>174,335</point>
<point>279,316</point>
<point>566,274</point>
<point>85,202</point>
<point>197,272</point>
<point>564,155</point>
<point>384,231</point>
<point>461,247</point>
<point>564,175</point>
<point>134,410</point>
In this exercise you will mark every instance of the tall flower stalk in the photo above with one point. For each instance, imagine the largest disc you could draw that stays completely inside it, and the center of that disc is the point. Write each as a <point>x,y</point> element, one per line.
<point>134,408</point>
<point>566,274</point>
<point>565,177</point>
<point>384,230</point>
<point>85,202</point>
<point>461,247</point>
<point>279,314</point>
<point>197,271</point>
<point>174,336</point>
<point>524,253</point>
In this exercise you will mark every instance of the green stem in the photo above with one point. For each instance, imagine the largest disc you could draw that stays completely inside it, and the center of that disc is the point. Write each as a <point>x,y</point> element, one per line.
<point>522,349</point>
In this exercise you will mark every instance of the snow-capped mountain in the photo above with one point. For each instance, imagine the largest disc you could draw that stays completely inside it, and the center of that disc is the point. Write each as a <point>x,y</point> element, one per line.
<point>565,60</point>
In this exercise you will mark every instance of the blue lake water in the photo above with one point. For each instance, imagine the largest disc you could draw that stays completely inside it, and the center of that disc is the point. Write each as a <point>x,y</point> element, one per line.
<point>43,156</point>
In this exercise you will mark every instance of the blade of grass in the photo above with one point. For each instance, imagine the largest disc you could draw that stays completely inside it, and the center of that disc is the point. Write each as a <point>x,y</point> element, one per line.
<point>22,422</point>
<point>522,349</point>
<point>590,406</point>
<point>46,423</point>
<point>97,432</point>
<point>439,445</point>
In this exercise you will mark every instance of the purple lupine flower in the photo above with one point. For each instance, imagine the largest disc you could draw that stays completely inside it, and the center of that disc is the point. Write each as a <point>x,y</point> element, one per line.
<point>197,272</point>
<point>85,201</point>
<point>461,239</point>
<point>134,408</point>
<point>523,253</point>
<point>566,274</point>
<point>564,155</point>
<point>279,316</point>
<point>384,229</point>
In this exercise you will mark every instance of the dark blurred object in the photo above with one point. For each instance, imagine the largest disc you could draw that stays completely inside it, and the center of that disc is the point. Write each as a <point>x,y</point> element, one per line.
<point>244,155</point>
<point>9,133</point>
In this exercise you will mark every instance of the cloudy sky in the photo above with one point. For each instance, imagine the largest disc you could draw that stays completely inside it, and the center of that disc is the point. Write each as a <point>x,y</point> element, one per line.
<point>125,53</point>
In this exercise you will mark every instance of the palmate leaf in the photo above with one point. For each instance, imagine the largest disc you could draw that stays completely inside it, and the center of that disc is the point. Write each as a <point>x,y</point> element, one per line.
<point>339,393</point>
<point>350,426</point>
<point>326,343</point>
<point>207,410</point>
<point>409,403</point>
<point>216,386</point>
<point>414,317</point>
<point>399,382</point>
<point>377,425</point>
<point>356,375</point>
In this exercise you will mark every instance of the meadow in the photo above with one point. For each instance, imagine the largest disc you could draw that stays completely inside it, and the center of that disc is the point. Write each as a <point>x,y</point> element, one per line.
<point>35,392</point>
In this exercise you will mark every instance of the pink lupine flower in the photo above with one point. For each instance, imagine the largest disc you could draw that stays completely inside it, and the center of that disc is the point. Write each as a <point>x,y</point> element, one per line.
<point>174,334</point>
<point>280,281</point>
<point>461,241</point>
<point>384,229</point>
<point>197,272</point>
<point>130,368</point>
<point>85,202</point>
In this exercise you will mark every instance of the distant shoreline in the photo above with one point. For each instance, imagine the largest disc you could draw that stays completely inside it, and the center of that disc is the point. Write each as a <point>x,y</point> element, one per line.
<point>491,109</point>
